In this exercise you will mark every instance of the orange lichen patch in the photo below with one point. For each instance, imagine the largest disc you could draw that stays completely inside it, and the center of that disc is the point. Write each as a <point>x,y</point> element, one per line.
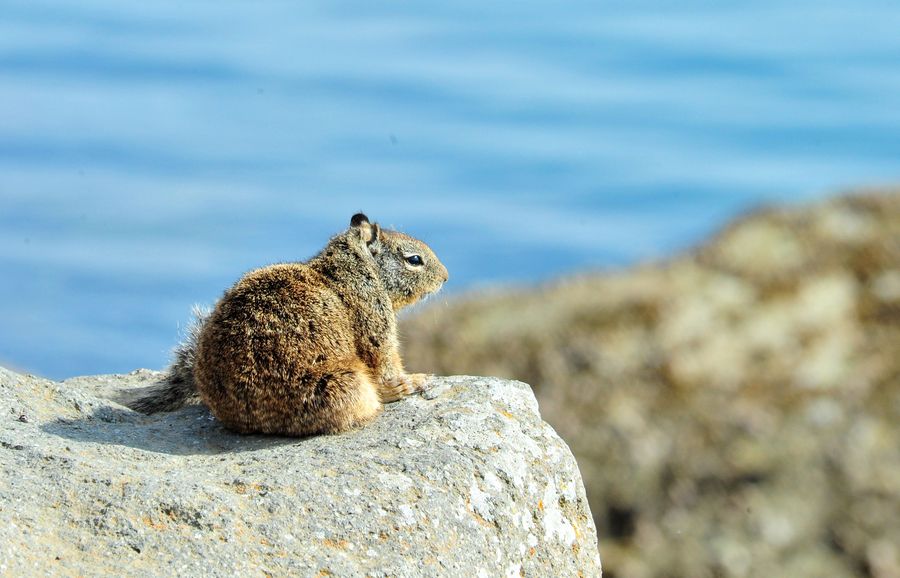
<point>506,413</point>
<point>323,572</point>
<point>475,515</point>
<point>541,505</point>
<point>244,488</point>
<point>337,544</point>
<point>155,524</point>
<point>480,520</point>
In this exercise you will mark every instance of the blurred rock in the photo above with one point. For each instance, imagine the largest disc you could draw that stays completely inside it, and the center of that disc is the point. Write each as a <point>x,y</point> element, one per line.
<point>735,411</point>
<point>464,480</point>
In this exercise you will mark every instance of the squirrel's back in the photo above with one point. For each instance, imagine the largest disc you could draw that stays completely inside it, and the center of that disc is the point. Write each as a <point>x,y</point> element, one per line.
<point>278,344</point>
<point>304,348</point>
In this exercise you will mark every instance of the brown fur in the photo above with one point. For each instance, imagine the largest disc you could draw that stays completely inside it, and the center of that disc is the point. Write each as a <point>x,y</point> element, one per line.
<point>307,348</point>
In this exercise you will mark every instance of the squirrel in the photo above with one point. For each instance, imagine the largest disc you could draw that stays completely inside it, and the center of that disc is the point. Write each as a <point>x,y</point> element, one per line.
<point>308,348</point>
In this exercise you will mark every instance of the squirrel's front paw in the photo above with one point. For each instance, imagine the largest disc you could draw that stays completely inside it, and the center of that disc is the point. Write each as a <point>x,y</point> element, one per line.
<point>395,388</point>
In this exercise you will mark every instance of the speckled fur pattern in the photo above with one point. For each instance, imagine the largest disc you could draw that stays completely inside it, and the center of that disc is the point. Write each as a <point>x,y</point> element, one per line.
<point>307,348</point>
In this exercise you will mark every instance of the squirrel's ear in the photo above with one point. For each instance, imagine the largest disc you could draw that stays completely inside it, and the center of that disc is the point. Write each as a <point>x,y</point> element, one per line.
<point>369,233</point>
<point>374,241</point>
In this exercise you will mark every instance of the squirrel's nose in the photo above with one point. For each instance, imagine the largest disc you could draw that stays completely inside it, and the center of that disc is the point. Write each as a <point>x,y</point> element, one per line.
<point>446,275</point>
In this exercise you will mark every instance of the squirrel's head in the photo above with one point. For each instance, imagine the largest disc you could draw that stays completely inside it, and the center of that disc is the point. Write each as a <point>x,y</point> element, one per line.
<point>408,268</point>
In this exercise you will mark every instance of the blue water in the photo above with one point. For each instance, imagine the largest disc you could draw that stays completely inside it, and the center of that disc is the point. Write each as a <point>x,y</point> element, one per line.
<point>152,152</point>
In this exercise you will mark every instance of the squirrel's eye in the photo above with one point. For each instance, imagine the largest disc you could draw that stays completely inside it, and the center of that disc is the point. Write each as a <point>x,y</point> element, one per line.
<point>415,260</point>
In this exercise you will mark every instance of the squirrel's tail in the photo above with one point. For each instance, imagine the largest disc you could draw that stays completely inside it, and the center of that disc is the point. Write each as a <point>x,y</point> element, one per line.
<point>177,388</point>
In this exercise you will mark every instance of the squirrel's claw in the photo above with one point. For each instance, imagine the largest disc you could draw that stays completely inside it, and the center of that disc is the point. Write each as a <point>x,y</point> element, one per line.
<point>396,388</point>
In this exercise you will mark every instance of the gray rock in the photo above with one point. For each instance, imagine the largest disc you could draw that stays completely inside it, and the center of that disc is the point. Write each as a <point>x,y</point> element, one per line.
<point>463,480</point>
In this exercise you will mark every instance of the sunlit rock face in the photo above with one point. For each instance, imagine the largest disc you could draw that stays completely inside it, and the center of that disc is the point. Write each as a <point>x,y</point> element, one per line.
<point>464,480</point>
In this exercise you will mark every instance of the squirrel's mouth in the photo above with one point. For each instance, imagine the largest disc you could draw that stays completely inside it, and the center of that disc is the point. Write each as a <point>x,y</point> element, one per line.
<point>428,294</point>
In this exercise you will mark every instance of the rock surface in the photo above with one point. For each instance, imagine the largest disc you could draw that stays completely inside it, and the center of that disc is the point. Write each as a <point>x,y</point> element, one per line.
<point>735,411</point>
<point>464,480</point>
